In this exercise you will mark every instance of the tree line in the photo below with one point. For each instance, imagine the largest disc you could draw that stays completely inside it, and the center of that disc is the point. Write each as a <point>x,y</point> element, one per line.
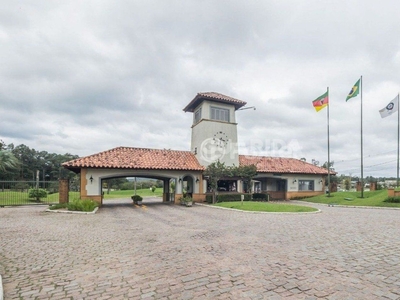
<point>22,163</point>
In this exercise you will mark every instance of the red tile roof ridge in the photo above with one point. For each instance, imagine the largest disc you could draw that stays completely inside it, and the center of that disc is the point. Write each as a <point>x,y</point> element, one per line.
<point>213,96</point>
<point>221,97</point>
<point>138,158</point>
<point>268,164</point>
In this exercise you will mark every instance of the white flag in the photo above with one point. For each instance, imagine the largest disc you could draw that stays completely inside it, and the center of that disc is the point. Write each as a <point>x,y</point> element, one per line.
<point>390,108</point>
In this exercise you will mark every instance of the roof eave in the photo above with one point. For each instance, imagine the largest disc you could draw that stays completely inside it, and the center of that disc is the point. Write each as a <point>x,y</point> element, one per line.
<point>199,98</point>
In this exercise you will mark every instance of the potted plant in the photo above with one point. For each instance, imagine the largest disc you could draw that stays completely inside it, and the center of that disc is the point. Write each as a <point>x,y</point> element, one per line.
<point>187,201</point>
<point>137,199</point>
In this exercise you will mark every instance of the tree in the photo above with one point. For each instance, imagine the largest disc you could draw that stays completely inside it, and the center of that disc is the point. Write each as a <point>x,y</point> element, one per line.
<point>347,184</point>
<point>218,170</point>
<point>246,174</point>
<point>8,161</point>
<point>215,172</point>
<point>325,165</point>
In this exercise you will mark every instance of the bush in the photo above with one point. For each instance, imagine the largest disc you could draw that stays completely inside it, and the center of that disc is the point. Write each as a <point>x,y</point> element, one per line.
<point>58,205</point>
<point>88,205</point>
<point>136,198</point>
<point>186,199</point>
<point>260,196</point>
<point>21,187</point>
<point>228,197</point>
<point>37,194</point>
<point>301,197</point>
<point>392,200</point>
<point>82,205</point>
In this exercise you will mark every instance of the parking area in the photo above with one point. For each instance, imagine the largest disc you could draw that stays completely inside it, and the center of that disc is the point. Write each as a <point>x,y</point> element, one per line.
<point>166,251</point>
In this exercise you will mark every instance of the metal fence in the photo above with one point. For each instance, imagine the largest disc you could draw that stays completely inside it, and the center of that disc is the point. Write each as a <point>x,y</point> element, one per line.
<point>20,192</point>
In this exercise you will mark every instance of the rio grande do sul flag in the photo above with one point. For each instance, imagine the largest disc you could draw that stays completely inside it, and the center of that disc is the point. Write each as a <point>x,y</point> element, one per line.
<point>390,108</point>
<point>321,102</point>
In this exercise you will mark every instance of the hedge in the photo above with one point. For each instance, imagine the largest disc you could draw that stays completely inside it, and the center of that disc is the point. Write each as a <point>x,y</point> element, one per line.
<point>228,197</point>
<point>392,200</point>
<point>260,196</point>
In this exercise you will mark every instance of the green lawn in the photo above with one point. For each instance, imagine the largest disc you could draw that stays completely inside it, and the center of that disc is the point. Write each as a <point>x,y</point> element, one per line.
<point>20,198</point>
<point>128,193</point>
<point>374,198</point>
<point>265,206</point>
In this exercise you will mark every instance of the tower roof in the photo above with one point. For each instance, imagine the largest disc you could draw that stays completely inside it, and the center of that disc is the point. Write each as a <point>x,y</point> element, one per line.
<point>216,97</point>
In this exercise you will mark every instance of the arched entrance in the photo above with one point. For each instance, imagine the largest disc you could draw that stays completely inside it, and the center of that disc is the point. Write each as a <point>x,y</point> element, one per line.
<point>165,165</point>
<point>145,186</point>
<point>184,182</point>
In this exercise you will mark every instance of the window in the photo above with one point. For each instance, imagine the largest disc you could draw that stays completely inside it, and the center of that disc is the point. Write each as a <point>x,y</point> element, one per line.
<point>219,114</point>
<point>197,116</point>
<point>306,185</point>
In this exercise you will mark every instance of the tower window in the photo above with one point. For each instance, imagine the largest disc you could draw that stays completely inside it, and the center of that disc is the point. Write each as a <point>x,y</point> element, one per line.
<point>197,116</point>
<point>219,114</point>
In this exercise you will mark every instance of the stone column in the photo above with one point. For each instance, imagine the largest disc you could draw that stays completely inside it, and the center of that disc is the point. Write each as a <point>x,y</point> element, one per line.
<point>358,186</point>
<point>63,189</point>
<point>372,186</point>
<point>166,190</point>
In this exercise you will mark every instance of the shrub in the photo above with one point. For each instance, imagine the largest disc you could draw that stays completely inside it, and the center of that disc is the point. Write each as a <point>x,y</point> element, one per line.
<point>300,197</point>
<point>37,194</point>
<point>21,187</point>
<point>260,196</point>
<point>185,199</point>
<point>82,205</point>
<point>136,198</point>
<point>228,197</point>
<point>58,205</point>
<point>88,205</point>
<point>392,200</point>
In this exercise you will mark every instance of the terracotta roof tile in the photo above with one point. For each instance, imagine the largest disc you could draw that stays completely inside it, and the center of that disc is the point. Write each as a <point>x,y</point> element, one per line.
<point>281,165</point>
<point>138,158</point>
<point>215,97</point>
<point>161,159</point>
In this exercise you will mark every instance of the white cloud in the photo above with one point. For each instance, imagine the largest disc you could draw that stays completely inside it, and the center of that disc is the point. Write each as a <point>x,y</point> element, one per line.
<point>83,77</point>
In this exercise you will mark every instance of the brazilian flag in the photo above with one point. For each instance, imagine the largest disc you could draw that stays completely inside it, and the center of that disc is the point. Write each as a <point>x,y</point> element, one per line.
<point>354,90</point>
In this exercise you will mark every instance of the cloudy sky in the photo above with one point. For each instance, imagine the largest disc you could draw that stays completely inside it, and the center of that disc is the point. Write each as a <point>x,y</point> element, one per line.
<point>82,77</point>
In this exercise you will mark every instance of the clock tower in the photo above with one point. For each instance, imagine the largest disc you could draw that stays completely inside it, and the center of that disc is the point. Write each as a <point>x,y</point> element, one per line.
<point>214,129</point>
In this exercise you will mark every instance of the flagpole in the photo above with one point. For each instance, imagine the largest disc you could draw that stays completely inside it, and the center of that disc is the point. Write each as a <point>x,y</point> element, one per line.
<point>398,134</point>
<point>362,166</point>
<point>329,161</point>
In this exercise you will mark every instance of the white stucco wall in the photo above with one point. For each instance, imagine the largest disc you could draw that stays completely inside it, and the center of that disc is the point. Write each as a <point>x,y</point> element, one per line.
<point>292,186</point>
<point>207,151</point>
<point>206,110</point>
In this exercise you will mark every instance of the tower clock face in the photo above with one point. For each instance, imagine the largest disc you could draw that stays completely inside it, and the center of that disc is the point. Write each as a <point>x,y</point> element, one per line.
<point>221,139</point>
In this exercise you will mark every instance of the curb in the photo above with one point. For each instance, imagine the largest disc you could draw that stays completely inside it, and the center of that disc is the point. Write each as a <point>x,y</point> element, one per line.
<point>262,212</point>
<point>72,212</point>
<point>352,206</point>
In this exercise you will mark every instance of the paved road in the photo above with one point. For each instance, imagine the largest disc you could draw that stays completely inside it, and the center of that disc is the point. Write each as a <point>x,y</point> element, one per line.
<point>172,252</point>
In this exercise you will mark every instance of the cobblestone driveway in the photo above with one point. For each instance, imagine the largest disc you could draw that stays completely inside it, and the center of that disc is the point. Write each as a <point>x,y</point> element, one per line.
<point>173,252</point>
